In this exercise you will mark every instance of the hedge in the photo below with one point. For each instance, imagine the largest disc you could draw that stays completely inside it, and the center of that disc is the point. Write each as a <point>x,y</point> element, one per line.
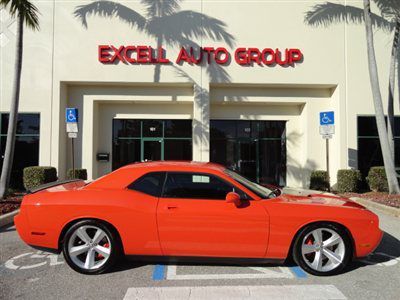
<point>35,176</point>
<point>319,180</point>
<point>348,181</point>
<point>79,174</point>
<point>377,180</point>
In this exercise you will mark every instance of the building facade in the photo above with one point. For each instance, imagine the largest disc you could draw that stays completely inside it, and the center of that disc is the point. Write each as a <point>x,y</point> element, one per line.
<point>241,83</point>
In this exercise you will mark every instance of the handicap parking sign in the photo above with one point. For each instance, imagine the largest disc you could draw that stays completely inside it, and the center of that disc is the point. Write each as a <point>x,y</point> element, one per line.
<point>327,118</point>
<point>71,115</point>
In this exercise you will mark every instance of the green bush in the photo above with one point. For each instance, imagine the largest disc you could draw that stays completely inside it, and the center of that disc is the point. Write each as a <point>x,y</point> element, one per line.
<point>319,180</point>
<point>79,174</point>
<point>377,180</point>
<point>348,181</point>
<point>35,176</point>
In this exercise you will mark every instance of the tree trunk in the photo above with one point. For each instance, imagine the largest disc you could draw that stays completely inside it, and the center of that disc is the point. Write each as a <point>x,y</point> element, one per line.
<point>12,121</point>
<point>377,98</point>
<point>392,80</point>
<point>157,68</point>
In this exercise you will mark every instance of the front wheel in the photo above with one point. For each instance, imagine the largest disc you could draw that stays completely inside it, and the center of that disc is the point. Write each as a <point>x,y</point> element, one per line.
<point>322,249</point>
<point>90,247</point>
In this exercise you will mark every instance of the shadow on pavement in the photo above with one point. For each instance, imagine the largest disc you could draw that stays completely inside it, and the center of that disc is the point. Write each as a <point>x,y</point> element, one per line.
<point>388,249</point>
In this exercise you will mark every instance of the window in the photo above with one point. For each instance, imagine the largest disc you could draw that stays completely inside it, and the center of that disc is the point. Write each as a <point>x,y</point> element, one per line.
<point>150,184</point>
<point>196,186</point>
<point>369,148</point>
<point>26,151</point>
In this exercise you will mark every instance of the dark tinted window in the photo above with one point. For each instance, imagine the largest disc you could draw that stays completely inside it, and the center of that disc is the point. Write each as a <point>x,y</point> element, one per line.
<point>196,186</point>
<point>125,151</point>
<point>152,128</point>
<point>223,129</point>
<point>26,123</point>
<point>178,128</point>
<point>177,149</point>
<point>150,184</point>
<point>126,128</point>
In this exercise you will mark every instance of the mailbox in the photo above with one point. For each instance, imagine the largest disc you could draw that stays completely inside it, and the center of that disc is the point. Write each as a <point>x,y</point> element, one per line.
<point>103,156</point>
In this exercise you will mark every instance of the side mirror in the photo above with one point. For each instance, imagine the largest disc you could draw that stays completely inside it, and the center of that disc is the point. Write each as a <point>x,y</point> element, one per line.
<point>234,198</point>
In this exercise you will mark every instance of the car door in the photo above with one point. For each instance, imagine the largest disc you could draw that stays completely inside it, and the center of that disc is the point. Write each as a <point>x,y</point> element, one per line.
<point>194,219</point>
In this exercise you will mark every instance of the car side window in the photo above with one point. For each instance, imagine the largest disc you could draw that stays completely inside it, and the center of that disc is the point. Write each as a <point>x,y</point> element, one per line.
<point>150,184</point>
<point>196,186</point>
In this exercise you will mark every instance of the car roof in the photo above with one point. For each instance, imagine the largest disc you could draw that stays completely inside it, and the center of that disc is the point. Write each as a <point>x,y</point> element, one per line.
<point>176,165</point>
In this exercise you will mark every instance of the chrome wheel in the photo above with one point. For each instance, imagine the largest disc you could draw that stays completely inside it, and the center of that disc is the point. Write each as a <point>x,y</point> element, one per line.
<point>89,247</point>
<point>323,249</point>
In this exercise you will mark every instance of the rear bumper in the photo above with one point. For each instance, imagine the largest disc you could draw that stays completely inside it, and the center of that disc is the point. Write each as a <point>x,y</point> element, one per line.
<point>33,237</point>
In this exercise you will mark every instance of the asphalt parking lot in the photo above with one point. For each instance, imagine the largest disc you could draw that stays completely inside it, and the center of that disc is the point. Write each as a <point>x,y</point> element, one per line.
<point>26,273</point>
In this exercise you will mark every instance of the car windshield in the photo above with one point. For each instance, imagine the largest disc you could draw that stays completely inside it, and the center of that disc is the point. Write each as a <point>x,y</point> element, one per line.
<point>257,189</point>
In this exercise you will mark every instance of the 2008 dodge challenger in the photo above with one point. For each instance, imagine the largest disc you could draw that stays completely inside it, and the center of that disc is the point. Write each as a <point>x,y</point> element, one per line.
<point>190,209</point>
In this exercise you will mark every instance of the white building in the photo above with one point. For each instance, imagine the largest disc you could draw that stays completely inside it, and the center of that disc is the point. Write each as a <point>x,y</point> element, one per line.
<point>258,115</point>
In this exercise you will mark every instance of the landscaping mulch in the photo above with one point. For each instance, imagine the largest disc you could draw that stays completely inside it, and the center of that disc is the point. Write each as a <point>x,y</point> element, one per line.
<point>10,203</point>
<point>379,197</point>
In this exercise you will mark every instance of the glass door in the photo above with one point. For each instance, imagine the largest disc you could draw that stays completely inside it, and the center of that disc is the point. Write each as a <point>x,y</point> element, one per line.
<point>247,158</point>
<point>152,149</point>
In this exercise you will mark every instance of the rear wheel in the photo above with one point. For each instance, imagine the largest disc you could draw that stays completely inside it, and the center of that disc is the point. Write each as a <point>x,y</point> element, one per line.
<point>90,247</point>
<point>322,249</point>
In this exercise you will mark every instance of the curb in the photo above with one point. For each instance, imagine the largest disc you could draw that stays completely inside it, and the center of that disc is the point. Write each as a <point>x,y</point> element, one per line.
<point>8,218</point>
<point>393,211</point>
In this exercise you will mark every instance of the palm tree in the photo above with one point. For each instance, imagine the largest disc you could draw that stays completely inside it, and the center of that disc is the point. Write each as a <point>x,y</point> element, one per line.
<point>328,13</point>
<point>390,10</point>
<point>26,14</point>
<point>164,21</point>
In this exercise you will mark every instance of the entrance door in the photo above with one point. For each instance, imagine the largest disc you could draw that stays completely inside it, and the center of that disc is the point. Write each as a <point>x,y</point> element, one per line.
<point>255,149</point>
<point>247,158</point>
<point>152,149</point>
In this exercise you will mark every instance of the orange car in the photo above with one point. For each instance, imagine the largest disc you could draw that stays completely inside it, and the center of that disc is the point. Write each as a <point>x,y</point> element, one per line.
<point>196,210</point>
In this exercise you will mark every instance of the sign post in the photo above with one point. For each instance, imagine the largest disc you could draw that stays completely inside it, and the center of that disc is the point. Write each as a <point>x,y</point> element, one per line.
<point>327,129</point>
<point>71,120</point>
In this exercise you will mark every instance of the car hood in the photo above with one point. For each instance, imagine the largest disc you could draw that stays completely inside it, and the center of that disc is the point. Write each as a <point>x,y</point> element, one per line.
<point>321,200</point>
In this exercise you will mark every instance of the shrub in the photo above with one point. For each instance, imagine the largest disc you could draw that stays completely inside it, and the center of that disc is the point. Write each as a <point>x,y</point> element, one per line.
<point>35,176</point>
<point>348,181</point>
<point>319,180</point>
<point>377,180</point>
<point>79,174</point>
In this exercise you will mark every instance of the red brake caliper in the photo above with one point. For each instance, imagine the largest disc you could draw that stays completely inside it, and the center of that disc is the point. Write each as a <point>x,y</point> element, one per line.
<point>106,245</point>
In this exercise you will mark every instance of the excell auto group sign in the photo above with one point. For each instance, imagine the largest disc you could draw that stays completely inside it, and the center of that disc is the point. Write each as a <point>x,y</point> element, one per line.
<point>110,54</point>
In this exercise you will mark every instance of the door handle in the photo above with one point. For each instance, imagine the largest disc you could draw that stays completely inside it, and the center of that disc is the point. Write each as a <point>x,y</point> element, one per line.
<point>171,207</point>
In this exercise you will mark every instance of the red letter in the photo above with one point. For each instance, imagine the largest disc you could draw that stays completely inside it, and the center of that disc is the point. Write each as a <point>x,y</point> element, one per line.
<point>278,57</point>
<point>241,57</point>
<point>295,55</point>
<point>117,53</point>
<point>143,54</point>
<point>198,60</point>
<point>255,58</point>
<point>265,53</point>
<point>128,54</point>
<point>219,51</point>
<point>104,53</point>
<point>183,56</point>
<point>160,55</point>
<point>209,50</point>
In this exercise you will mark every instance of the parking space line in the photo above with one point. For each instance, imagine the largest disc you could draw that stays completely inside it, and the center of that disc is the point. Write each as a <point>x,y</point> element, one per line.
<point>298,272</point>
<point>262,273</point>
<point>236,292</point>
<point>158,273</point>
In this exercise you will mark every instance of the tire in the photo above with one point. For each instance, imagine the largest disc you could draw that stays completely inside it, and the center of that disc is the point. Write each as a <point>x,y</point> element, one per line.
<point>87,253</point>
<point>322,249</point>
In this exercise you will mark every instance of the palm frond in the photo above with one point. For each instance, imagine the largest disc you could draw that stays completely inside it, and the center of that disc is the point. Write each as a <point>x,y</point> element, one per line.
<point>190,25</point>
<point>330,13</point>
<point>110,9</point>
<point>390,9</point>
<point>160,8</point>
<point>24,9</point>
